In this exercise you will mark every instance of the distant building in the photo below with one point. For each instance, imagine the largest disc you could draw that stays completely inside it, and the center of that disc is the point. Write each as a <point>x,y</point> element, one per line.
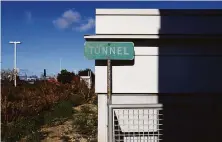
<point>23,78</point>
<point>87,79</point>
<point>30,79</point>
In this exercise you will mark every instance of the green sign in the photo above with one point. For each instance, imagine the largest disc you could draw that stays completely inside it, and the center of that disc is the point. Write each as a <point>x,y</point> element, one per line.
<point>109,50</point>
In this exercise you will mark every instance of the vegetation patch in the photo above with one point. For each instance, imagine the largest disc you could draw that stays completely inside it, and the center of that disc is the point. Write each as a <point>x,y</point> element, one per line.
<point>29,108</point>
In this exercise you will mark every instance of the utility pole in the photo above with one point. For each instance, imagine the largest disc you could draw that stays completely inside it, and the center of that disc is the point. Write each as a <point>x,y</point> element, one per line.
<point>60,65</point>
<point>15,43</point>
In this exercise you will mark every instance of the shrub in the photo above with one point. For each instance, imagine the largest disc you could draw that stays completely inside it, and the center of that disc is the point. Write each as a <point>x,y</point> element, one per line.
<point>20,128</point>
<point>76,99</point>
<point>29,127</point>
<point>28,106</point>
<point>30,100</point>
<point>60,112</point>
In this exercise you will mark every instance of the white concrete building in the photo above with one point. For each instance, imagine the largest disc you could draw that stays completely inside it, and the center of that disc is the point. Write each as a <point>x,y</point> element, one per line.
<point>166,61</point>
<point>87,80</point>
<point>135,83</point>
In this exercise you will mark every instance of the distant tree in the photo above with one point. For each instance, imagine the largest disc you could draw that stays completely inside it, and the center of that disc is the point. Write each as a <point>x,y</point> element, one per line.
<point>65,76</point>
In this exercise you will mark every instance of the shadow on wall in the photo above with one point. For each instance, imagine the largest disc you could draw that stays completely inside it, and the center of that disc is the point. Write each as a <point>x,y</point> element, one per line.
<point>190,65</point>
<point>190,76</point>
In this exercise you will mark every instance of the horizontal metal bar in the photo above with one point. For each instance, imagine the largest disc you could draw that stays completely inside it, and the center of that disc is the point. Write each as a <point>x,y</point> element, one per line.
<point>135,106</point>
<point>151,132</point>
<point>138,140</point>
<point>140,125</point>
<point>136,113</point>
<point>135,130</point>
<point>119,119</point>
<point>131,134</point>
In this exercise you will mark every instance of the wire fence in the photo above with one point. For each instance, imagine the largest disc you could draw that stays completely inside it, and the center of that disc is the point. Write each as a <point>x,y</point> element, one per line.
<point>136,123</point>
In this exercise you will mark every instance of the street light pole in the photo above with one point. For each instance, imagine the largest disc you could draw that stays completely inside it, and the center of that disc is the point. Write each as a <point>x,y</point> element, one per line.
<point>15,43</point>
<point>60,65</point>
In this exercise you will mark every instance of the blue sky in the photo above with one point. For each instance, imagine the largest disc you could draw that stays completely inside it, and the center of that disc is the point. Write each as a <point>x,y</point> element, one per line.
<point>53,30</point>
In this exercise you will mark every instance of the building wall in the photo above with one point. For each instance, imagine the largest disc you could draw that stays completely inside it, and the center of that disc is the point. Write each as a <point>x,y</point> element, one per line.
<point>161,65</point>
<point>134,78</point>
<point>131,82</point>
<point>123,21</point>
<point>173,66</point>
<point>139,77</point>
<point>186,68</point>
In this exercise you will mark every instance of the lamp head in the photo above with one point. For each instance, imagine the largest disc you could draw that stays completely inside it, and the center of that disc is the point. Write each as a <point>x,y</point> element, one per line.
<point>14,42</point>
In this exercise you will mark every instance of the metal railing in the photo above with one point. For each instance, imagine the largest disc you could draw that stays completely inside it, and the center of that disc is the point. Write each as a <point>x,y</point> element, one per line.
<point>135,123</point>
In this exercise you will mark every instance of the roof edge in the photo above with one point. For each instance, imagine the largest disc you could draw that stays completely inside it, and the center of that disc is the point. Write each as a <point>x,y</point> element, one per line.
<point>127,11</point>
<point>162,12</point>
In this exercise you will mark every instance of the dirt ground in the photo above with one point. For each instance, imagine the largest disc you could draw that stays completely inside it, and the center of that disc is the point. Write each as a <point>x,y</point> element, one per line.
<point>61,133</point>
<point>64,132</point>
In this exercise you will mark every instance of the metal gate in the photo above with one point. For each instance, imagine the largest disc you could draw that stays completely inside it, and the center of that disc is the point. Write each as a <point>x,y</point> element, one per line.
<point>135,123</point>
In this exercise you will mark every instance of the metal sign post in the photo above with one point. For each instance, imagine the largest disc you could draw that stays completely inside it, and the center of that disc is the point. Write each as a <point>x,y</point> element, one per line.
<point>109,93</point>
<point>109,79</point>
<point>109,51</point>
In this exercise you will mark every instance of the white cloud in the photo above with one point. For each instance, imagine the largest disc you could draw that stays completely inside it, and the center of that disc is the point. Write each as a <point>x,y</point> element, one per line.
<point>67,19</point>
<point>28,16</point>
<point>86,26</point>
<point>61,23</point>
<point>72,16</point>
<point>73,19</point>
